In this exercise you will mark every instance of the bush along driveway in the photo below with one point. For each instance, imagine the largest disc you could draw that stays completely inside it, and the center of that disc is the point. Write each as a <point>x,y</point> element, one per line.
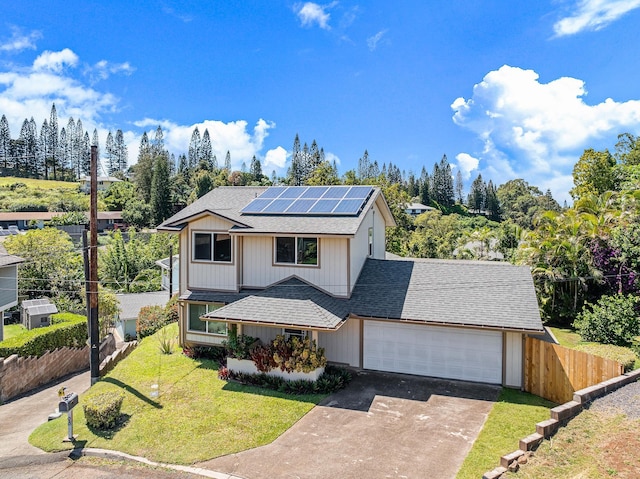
<point>176,410</point>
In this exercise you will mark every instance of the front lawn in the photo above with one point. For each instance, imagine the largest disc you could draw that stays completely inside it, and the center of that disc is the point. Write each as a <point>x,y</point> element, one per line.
<point>512,417</point>
<point>176,410</point>
<point>12,330</point>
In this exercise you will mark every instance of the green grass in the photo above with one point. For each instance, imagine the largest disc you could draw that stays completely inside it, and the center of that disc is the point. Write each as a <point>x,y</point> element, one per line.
<point>570,339</point>
<point>195,416</point>
<point>512,417</point>
<point>13,330</point>
<point>43,184</point>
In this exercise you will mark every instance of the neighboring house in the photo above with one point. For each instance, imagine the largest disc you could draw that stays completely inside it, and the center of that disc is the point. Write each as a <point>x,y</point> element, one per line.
<point>8,284</point>
<point>36,313</point>
<point>130,306</point>
<point>104,182</point>
<point>310,261</point>
<point>167,271</point>
<point>23,220</point>
<point>415,209</point>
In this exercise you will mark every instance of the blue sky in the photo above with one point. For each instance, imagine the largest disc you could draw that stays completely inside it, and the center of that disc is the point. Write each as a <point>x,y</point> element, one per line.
<point>506,89</point>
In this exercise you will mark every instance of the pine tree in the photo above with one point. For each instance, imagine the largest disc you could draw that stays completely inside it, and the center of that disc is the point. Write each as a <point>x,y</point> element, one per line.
<point>121,152</point>
<point>70,152</point>
<point>160,190</point>
<point>85,161</point>
<point>206,150</point>
<point>52,137</point>
<point>459,186</point>
<point>110,154</point>
<point>492,202</point>
<point>158,143</point>
<point>477,201</point>
<point>194,148</point>
<point>227,162</point>
<point>5,144</point>
<point>143,174</point>
<point>62,147</point>
<point>256,169</point>
<point>43,152</point>
<point>295,171</point>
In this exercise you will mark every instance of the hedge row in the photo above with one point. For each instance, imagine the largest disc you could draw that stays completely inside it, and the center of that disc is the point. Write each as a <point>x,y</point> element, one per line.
<point>66,330</point>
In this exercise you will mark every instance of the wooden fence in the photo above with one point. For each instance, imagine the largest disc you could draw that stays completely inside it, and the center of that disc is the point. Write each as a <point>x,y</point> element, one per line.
<point>555,372</point>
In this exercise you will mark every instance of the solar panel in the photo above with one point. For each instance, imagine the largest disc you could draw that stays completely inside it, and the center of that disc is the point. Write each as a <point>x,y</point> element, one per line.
<point>310,200</point>
<point>348,206</point>
<point>301,206</point>
<point>324,206</point>
<point>336,192</point>
<point>278,206</point>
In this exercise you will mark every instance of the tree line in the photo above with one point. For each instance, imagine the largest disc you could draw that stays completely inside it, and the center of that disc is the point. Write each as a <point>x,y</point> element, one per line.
<point>56,152</point>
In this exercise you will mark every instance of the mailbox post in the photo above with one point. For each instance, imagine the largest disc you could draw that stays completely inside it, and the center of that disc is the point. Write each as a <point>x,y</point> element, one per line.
<point>66,404</point>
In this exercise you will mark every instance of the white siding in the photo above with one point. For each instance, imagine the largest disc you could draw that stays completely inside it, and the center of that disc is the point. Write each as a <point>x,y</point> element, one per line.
<point>360,243</point>
<point>513,360</point>
<point>265,334</point>
<point>258,270</point>
<point>343,345</point>
<point>205,339</point>
<point>8,287</point>
<point>204,275</point>
<point>184,261</point>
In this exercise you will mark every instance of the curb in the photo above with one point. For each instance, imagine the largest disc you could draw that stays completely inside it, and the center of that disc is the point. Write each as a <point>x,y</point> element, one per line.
<point>108,454</point>
<point>50,458</point>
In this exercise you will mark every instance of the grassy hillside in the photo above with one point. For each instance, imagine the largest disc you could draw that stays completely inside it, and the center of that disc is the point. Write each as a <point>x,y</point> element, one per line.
<point>42,184</point>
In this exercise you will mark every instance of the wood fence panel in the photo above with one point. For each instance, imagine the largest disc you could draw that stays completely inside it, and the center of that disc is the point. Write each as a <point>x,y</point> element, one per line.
<point>555,372</point>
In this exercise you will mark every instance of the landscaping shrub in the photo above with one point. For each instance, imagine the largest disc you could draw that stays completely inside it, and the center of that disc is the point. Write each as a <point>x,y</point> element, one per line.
<point>214,353</point>
<point>103,410</point>
<point>171,310</point>
<point>293,354</point>
<point>150,319</point>
<point>332,380</point>
<point>165,341</point>
<point>239,347</point>
<point>66,330</point>
<point>624,355</point>
<point>612,320</point>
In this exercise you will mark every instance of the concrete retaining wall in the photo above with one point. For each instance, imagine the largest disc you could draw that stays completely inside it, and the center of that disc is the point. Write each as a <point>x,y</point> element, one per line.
<point>19,375</point>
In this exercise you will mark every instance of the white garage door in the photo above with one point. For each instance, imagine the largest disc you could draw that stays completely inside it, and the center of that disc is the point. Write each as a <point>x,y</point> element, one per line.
<point>453,353</point>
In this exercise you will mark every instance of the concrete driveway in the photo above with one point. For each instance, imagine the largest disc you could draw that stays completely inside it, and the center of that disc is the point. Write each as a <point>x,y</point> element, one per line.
<point>382,425</point>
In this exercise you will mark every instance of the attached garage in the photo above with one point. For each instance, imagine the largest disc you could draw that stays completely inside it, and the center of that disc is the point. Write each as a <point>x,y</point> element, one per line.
<point>437,351</point>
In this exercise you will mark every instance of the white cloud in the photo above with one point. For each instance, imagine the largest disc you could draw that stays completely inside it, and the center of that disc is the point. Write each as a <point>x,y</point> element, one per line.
<point>330,157</point>
<point>20,41</point>
<point>275,158</point>
<point>311,13</point>
<point>55,61</point>
<point>467,164</point>
<point>594,15</point>
<point>104,69</point>
<point>538,130</point>
<point>372,42</point>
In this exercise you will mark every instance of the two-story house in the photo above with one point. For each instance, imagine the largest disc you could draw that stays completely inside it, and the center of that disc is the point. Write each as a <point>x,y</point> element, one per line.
<point>8,283</point>
<point>311,261</point>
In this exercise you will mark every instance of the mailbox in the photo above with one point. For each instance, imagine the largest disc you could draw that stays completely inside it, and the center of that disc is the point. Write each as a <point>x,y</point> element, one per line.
<point>68,402</point>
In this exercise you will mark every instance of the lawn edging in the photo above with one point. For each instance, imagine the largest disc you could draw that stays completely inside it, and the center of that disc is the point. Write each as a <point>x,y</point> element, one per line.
<point>560,416</point>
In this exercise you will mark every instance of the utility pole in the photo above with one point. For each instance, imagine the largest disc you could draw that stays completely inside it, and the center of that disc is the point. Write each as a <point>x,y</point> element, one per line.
<point>92,295</point>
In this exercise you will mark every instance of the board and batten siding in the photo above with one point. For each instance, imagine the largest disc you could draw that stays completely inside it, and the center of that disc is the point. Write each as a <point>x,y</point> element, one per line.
<point>513,360</point>
<point>8,286</point>
<point>259,270</point>
<point>343,345</point>
<point>359,244</point>
<point>212,275</point>
<point>263,333</point>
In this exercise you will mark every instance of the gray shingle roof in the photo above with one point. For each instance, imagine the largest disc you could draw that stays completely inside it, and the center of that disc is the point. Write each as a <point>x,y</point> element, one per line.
<point>131,303</point>
<point>227,201</point>
<point>464,293</point>
<point>292,302</point>
<point>7,259</point>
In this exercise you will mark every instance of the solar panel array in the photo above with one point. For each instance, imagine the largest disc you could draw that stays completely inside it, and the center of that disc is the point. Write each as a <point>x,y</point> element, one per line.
<point>310,200</point>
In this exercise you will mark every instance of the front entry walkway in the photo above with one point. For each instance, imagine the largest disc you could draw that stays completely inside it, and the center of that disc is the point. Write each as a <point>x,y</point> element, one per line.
<point>382,425</point>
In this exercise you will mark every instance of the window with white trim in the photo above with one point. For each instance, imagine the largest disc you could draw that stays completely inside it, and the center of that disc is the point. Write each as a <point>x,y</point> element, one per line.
<point>296,250</point>
<point>212,247</point>
<point>289,333</point>
<point>198,325</point>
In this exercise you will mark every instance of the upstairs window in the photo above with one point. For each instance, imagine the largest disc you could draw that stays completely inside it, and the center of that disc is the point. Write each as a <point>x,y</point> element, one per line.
<point>212,247</point>
<point>296,250</point>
